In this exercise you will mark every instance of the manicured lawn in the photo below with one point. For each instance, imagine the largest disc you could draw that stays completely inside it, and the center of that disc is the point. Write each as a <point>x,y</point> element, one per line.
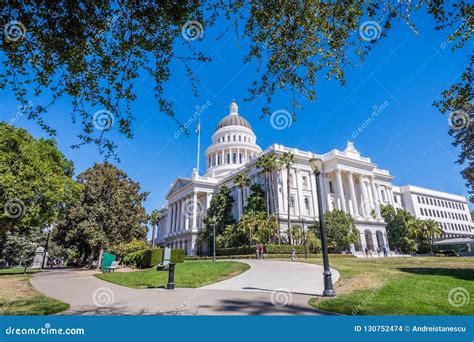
<point>188,274</point>
<point>18,270</point>
<point>402,286</point>
<point>18,297</point>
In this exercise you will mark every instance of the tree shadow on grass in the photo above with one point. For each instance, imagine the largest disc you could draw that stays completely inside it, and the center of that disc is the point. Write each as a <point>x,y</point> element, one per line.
<point>459,273</point>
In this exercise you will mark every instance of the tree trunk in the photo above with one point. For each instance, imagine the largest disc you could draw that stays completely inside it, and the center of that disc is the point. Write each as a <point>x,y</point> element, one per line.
<point>100,258</point>
<point>288,169</point>
<point>267,198</point>
<point>242,200</point>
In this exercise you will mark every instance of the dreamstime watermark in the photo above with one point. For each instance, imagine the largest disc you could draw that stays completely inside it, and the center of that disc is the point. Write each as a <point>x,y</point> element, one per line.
<point>14,30</point>
<point>14,208</point>
<point>281,119</point>
<point>22,110</point>
<point>377,110</point>
<point>188,208</point>
<point>370,30</point>
<point>199,110</point>
<point>103,119</point>
<point>103,296</point>
<point>281,297</point>
<point>46,330</point>
<point>458,297</point>
<point>448,41</point>
<point>369,299</point>
<point>192,30</point>
<point>459,119</point>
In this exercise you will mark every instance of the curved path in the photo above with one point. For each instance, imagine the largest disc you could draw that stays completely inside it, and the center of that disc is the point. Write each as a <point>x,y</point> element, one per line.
<point>267,288</point>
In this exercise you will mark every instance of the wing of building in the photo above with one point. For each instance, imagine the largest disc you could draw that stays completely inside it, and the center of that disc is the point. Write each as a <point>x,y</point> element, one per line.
<point>351,182</point>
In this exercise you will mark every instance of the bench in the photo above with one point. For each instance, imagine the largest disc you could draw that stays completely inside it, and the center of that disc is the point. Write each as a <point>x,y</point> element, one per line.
<point>112,267</point>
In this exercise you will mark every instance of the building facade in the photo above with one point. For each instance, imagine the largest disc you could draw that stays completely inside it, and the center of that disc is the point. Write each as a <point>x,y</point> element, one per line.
<point>350,182</point>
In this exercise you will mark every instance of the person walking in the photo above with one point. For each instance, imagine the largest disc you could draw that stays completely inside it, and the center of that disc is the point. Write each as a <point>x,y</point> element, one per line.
<point>385,252</point>
<point>293,255</point>
<point>257,251</point>
<point>261,252</point>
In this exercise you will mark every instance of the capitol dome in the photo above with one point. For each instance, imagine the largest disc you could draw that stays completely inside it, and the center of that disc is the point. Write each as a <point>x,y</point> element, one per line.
<point>233,144</point>
<point>233,119</point>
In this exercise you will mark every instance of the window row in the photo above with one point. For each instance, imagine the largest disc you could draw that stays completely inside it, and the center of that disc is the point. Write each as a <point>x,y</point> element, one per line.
<point>443,214</point>
<point>234,137</point>
<point>456,226</point>
<point>440,203</point>
<point>306,202</point>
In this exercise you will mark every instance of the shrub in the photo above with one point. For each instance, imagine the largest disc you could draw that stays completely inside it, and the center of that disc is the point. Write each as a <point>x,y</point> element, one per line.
<point>151,257</point>
<point>177,256</point>
<point>144,258</point>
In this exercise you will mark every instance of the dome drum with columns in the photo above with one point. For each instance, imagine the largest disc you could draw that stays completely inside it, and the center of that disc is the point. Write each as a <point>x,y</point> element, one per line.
<point>350,182</point>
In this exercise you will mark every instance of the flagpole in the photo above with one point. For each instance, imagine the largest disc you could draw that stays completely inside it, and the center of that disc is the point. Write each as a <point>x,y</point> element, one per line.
<point>199,145</point>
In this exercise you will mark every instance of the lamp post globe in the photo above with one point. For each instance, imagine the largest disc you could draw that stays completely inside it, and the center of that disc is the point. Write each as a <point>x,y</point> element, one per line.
<point>317,166</point>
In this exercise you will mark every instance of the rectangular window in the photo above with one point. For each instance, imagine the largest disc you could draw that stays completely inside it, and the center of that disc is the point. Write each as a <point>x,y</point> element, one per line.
<point>331,190</point>
<point>305,182</point>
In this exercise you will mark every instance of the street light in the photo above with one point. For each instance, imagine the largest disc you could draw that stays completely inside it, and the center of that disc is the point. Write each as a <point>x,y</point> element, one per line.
<point>316,166</point>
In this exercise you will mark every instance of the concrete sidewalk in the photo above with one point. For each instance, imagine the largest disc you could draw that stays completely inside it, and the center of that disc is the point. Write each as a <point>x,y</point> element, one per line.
<point>268,288</point>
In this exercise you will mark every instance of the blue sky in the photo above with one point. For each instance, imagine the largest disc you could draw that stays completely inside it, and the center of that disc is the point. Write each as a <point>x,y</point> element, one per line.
<point>409,137</point>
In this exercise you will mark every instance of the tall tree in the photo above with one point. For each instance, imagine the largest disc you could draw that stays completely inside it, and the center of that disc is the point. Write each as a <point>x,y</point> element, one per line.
<point>273,165</point>
<point>341,229</point>
<point>35,181</point>
<point>219,214</point>
<point>398,234</point>
<point>256,199</point>
<point>154,219</point>
<point>287,159</point>
<point>241,181</point>
<point>110,211</point>
<point>263,164</point>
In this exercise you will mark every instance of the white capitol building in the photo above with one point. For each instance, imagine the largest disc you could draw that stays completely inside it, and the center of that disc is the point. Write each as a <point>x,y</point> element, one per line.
<point>351,183</point>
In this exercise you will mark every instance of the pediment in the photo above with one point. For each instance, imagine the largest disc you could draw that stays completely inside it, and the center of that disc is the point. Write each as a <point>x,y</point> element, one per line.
<point>177,185</point>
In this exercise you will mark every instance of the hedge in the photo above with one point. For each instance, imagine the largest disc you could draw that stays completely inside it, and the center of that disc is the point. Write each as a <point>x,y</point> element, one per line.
<point>151,257</point>
<point>177,256</point>
<point>269,249</point>
<point>269,256</point>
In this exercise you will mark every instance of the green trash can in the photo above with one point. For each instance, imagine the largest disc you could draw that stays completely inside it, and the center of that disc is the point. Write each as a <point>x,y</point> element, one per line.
<point>107,260</point>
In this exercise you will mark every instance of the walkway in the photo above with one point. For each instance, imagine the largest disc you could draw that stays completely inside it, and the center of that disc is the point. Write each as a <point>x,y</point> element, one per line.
<point>268,288</point>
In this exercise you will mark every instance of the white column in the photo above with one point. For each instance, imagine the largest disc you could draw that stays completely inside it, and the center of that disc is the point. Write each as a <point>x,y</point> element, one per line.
<point>355,207</point>
<point>223,157</point>
<point>376,197</point>
<point>171,214</point>
<point>195,206</point>
<point>298,191</point>
<point>215,158</point>
<point>340,190</point>
<point>364,206</point>
<point>180,215</point>
<point>246,158</point>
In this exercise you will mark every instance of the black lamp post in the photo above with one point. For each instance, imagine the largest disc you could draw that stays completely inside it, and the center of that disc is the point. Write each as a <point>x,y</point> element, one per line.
<point>317,165</point>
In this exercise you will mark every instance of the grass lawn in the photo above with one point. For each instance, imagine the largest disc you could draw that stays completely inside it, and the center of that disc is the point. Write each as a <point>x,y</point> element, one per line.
<point>18,297</point>
<point>188,274</point>
<point>18,270</point>
<point>401,286</point>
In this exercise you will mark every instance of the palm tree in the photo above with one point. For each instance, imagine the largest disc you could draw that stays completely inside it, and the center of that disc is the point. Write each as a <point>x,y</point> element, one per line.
<point>273,164</point>
<point>154,218</point>
<point>242,180</point>
<point>431,228</point>
<point>262,163</point>
<point>287,159</point>
<point>424,230</point>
